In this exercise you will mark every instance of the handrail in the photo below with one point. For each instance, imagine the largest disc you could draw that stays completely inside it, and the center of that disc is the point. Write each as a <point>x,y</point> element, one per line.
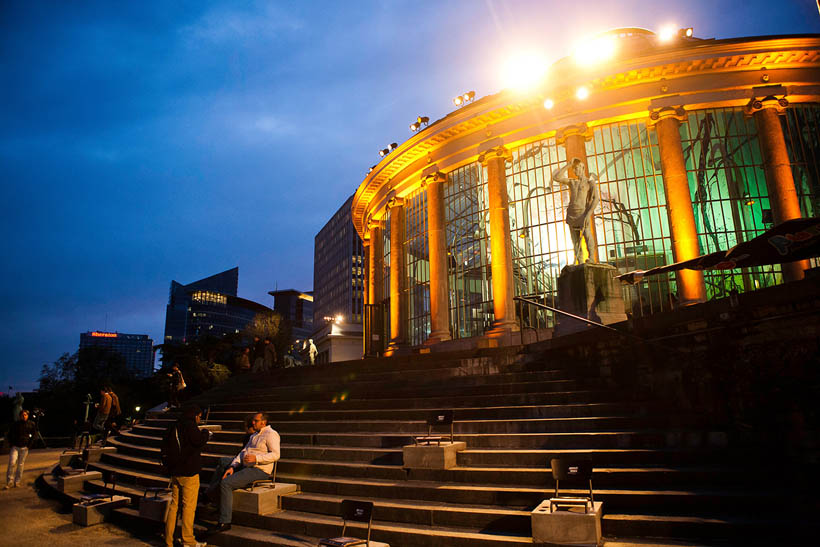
<point>595,323</point>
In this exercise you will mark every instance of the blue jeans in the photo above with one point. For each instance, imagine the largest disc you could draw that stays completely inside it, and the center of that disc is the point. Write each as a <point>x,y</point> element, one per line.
<point>239,479</point>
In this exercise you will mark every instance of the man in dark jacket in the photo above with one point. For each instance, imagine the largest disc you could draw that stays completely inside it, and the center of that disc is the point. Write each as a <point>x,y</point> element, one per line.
<point>184,469</point>
<point>21,437</point>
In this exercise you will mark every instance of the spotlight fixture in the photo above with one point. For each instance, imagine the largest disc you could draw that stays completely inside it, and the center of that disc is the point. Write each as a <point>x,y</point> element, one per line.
<point>465,98</point>
<point>582,92</point>
<point>686,32</point>
<point>371,169</point>
<point>548,104</point>
<point>420,120</point>
<point>384,151</point>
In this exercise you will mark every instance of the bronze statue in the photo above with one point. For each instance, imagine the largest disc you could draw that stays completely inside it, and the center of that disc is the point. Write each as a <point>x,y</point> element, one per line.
<point>583,198</point>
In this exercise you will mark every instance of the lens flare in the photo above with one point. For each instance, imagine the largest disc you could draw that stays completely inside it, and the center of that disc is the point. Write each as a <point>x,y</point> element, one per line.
<point>595,50</point>
<point>524,71</point>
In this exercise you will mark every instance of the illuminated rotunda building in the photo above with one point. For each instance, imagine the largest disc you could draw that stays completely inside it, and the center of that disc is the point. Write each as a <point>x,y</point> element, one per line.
<point>697,144</point>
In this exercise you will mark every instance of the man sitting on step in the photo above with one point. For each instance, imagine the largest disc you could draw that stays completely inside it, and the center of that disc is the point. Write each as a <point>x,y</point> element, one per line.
<point>253,463</point>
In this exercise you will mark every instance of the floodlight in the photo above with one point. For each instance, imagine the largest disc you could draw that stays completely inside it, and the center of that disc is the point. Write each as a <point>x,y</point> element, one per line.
<point>458,100</point>
<point>414,126</point>
<point>582,92</point>
<point>371,169</point>
<point>393,146</point>
<point>340,318</point>
<point>548,103</point>
<point>667,33</point>
<point>524,71</point>
<point>383,152</point>
<point>595,50</point>
<point>423,120</point>
<point>469,96</point>
<point>686,32</point>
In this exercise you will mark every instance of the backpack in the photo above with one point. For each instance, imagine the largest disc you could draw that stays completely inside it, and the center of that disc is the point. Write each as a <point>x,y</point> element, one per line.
<point>170,451</point>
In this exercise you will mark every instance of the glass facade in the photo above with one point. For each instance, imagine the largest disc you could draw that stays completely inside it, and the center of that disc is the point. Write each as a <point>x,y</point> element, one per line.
<point>730,198</point>
<point>631,222</point>
<point>417,267</point>
<point>541,242</point>
<point>801,129</point>
<point>724,165</point>
<point>467,228</point>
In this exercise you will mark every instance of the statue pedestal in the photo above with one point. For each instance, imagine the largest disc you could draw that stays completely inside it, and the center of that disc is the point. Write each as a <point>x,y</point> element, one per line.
<point>589,291</point>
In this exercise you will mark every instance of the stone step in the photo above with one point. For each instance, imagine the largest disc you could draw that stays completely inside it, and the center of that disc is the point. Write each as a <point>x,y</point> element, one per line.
<point>453,379</point>
<point>234,419</point>
<point>379,391</point>
<point>527,497</point>
<point>487,519</point>
<point>654,477</point>
<point>404,535</point>
<point>343,402</point>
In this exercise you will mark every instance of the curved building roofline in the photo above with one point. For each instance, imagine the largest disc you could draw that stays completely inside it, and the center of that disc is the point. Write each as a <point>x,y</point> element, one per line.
<point>695,72</point>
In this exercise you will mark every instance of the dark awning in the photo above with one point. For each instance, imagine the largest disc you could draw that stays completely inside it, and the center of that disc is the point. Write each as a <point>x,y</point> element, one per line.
<point>792,240</point>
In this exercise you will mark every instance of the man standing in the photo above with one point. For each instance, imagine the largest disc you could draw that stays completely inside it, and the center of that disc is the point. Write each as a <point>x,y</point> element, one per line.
<point>112,423</point>
<point>253,463</point>
<point>103,409</point>
<point>183,457</point>
<point>270,355</point>
<point>21,437</point>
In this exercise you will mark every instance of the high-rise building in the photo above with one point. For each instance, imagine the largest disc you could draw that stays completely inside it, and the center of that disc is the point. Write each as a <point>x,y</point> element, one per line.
<point>208,307</point>
<point>338,288</point>
<point>136,349</point>
<point>296,307</point>
<point>338,270</point>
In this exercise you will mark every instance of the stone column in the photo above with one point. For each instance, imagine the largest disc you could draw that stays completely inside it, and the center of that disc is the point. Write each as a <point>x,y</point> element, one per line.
<point>398,338</point>
<point>574,138</point>
<point>500,244</point>
<point>691,288</point>
<point>437,245</point>
<point>374,264</point>
<point>779,177</point>
<point>375,254</point>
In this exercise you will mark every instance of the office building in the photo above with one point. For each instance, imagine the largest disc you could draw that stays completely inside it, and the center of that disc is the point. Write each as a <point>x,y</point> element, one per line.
<point>208,307</point>
<point>338,285</point>
<point>295,307</point>
<point>136,349</point>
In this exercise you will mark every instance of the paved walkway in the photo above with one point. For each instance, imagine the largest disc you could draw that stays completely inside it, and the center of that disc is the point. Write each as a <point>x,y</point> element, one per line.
<point>26,519</point>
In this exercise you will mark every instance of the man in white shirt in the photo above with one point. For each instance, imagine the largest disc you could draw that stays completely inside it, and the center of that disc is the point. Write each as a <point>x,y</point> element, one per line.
<point>253,463</point>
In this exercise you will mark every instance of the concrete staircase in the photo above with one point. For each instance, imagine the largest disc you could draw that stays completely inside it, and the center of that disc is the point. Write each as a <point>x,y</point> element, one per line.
<point>660,473</point>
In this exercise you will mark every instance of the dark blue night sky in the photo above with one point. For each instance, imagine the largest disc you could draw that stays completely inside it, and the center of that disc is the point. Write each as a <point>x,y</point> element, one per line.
<point>142,142</point>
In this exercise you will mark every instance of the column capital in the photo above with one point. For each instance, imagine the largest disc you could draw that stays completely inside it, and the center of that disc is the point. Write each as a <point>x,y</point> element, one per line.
<point>394,201</point>
<point>665,113</point>
<point>498,151</point>
<point>437,176</point>
<point>770,101</point>
<point>581,129</point>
